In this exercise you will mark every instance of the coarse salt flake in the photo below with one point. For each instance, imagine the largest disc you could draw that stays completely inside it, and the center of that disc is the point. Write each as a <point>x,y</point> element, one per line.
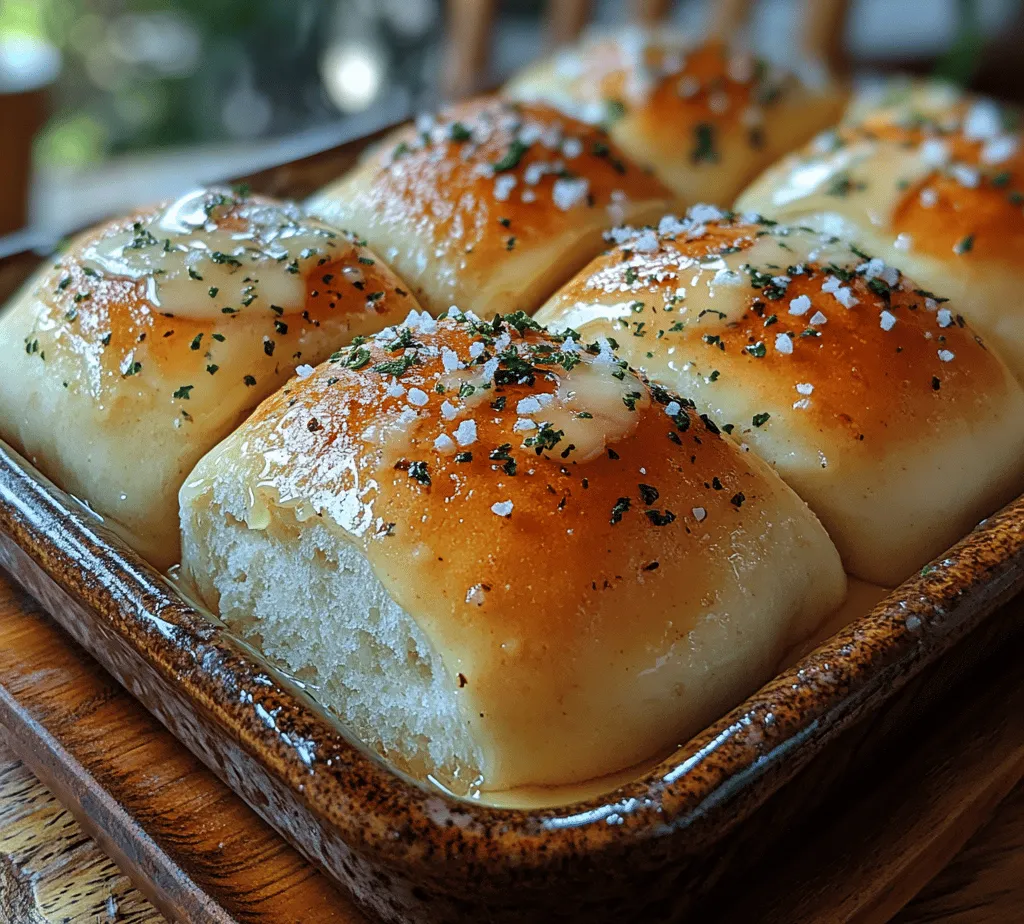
<point>804,388</point>
<point>450,359</point>
<point>669,224</point>
<point>503,186</point>
<point>304,371</point>
<point>699,513</point>
<point>448,410</point>
<point>566,193</point>
<point>934,152</point>
<point>783,343</point>
<point>703,212</point>
<point>726,277</point>
<point>946,356</point>
<point>572,147</point>
<point>887,320</point>
<point>502,508</point>
<point>999,149</point>
<point>817,319</point>
<point>465,433</point>
<point>983,121</point>
<point>800,305</point>
<point>444,443</point>
<point>417,397</point>
<point>965,175</point>
<point>646,241</point>
<point>673,408</point>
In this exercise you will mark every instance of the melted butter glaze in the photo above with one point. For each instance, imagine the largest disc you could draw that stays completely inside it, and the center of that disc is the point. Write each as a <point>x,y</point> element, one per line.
<point>935,184</point>
<point>246,251</point>
<point>924,179</point>
<point>92,342</point>
<point>830,364</point>
<point>108,304</point>
<point>491,205</point>
<point>562,578</point>
<point>708,117</point>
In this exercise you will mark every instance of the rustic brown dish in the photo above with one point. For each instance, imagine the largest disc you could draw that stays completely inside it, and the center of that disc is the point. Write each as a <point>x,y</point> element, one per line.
<point>407,851</point>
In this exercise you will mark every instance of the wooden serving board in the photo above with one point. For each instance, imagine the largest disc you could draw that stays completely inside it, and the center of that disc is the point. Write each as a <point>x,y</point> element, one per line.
<point>195,850</point>
<point>200,855</point>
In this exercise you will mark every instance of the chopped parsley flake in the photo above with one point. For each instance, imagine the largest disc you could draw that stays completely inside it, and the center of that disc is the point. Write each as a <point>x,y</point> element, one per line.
<point>620,507</point>
<point>511,158</point>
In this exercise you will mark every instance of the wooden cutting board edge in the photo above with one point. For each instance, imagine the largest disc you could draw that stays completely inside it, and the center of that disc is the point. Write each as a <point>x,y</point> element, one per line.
<point>837,881</point>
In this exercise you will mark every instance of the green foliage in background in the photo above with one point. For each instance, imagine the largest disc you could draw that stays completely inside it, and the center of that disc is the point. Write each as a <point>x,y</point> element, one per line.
<point>113,97</point>
<point>962,60</point>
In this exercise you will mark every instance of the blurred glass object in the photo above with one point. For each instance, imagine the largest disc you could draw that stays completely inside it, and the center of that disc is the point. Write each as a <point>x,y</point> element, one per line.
<point>143,74</point>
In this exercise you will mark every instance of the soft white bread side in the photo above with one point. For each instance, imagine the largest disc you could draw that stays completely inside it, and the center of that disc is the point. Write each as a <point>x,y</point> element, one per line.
<point>491,206</point>
<point>871,397</point>
<point>501,556</point>
<point>708,117</point>
<point>930,180</point>
<point>151,337</point>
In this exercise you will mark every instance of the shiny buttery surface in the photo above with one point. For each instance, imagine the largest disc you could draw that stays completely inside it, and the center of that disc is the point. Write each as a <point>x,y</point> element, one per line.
<point>150,338</point>
<point>870,396</point>
<point>930,180</point>
<point>708,117</point>
<point>600,570</point>
<point>491,206</point>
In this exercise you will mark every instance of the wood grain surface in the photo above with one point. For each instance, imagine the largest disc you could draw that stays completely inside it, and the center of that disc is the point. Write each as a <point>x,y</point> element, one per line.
<point>195,849</point>
<point>201,855</point>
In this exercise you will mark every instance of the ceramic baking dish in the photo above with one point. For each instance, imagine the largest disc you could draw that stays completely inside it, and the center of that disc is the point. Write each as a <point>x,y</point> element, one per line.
<point>407,851</point>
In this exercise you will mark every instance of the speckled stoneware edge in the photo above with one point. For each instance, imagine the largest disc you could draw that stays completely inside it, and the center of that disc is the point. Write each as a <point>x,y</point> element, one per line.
<point>375,830</point>
<point>408,852</point>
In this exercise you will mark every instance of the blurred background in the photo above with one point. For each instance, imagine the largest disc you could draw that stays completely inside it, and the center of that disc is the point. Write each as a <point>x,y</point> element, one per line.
<point>107,103</point>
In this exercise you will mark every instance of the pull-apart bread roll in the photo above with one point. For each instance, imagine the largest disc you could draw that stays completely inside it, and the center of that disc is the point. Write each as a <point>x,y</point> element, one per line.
<point>707,117</point>
<point>490,205</point>
<point>930,181</point>
<point>150,338</point>
<point>869,395</point>
<point>506,558</point>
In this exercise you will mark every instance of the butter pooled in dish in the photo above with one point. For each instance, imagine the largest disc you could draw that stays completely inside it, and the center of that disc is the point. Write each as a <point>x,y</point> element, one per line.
<point>871,397</point>
<point>504,559</point>
<point>151,337</point>
<point>491,205</point>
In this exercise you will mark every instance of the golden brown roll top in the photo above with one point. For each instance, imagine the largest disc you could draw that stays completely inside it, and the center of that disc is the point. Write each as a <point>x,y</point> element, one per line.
<point>590,570</point>
<point>708,117</point>
<point>931,181</point>
<point>491,205</point>
<point>870,396</point>
<point>150,337</point>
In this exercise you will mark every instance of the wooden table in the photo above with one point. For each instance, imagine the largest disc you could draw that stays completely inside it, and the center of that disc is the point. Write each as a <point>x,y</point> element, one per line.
<point>52,871</point>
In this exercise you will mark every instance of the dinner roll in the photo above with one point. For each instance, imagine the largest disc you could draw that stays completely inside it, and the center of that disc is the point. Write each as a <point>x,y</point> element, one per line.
<point>708,117</point>
<point>491,205</point>
<point>931,180</point>
<point>501,556</point>
<point>870,396</point>
<point>151,337</point>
